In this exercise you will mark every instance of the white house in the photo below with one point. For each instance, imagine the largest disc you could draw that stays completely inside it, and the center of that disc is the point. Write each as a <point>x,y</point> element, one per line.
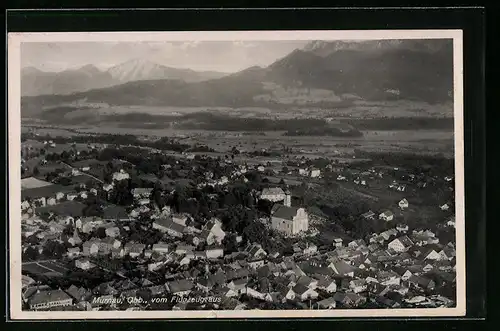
<point>121,175</point>
<point>161,248</point>
<point>386,216</point>
<point>402,228</point>
<point>112,232</point>
<point>304,293</point>
<point>273,194</point>
<point>214,252</point>
<point>358,285</point>
<point>73,252</point>
<point>337,242</point>
<point>401,244</point>
<point>327,284</point>
<point>84,264</point>
<point>444,207</point>
<point>315,173</point>
<point>403,204</point>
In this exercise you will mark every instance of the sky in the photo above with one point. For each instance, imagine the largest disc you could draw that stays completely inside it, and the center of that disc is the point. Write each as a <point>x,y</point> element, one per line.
<point>223,56</point>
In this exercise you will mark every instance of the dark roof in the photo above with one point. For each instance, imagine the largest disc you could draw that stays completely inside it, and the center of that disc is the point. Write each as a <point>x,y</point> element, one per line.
<point>44,191</point>
<point>65,208</point>
<point>300,289</point>
<point>422,281</point>
<point>368,214</point>
<point>284,212</point>
<point>405,241</point>
<point>180,285</point>
<point>115,212</point>
<point>170,224</point>
<point>343,268</point>
<point>49,296</point>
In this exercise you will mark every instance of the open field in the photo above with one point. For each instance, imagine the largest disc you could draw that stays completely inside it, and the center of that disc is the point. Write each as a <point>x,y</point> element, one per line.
<point>285,107</point>
<point>44,267</point>
<point>408,141</point>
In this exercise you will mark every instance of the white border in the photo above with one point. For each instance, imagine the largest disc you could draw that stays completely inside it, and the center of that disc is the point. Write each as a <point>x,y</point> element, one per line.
<point>14,70</point>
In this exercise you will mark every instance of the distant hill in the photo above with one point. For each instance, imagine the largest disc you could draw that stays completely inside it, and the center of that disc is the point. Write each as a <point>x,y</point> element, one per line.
<point>373,70</point>
<point>322,73</point>
<point>36,82</point>
<point>139,69</point>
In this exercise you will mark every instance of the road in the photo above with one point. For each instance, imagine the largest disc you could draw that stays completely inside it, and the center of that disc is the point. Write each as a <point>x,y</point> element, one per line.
<point>83,173</point>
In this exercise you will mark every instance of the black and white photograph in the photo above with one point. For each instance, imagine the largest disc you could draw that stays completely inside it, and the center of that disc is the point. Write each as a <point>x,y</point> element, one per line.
<point>236,174</point>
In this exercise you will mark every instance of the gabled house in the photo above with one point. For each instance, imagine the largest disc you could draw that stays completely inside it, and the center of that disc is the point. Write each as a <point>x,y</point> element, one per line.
<point>444,207</point>
<point>134,249</point>
<point>84,264</point>
<point>307,282</point>
<point>238,285</point>
<point>79,294</point>
<point>327,284</point>
<point>180,287</point>
<point>422,282</point>
<point>401,244</point>
<point>403,204</point>
<point>387,278</point>
<point>161,248</point>
<point>386,216</point>
<point>337,242</point>
<point>328,303</point>
<point>214,252</point>
<point>369,215</point>
<point>402,228</point>
<point>141,192</point>
<point>115,213</point>
<point>304,293</point>
<point>168,226</point>
<point>342,268</point>
<point>430,252</point>
<point>285,292</point>
<point>73,252</point>
<point>349,300</point>
<point>216,234</point>
<point>255,251</point>
<point>43,300</point>
<point>358,285</point>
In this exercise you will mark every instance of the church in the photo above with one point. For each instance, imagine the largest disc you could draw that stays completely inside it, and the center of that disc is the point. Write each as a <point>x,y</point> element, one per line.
<point>287,219</point>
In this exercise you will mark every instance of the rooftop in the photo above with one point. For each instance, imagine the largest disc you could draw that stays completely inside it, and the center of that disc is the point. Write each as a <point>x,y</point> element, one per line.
<point>65,208</point>
<point>44,191</point>
<point>32,182</point>
<point>284,212</point>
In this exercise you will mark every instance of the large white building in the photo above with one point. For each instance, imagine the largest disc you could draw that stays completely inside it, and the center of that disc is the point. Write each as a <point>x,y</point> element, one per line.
<point>276,194</point>
<point>122,175</point>
<point>289,220</point>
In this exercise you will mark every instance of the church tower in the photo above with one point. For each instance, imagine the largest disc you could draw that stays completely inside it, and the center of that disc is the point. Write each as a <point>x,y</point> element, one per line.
<point>288,198</point>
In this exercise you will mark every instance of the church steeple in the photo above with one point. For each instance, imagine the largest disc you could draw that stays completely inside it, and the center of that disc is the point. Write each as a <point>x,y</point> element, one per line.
<point>288,198</point>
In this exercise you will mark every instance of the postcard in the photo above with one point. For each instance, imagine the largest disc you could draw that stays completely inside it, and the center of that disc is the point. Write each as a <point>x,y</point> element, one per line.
<point>244,174</point>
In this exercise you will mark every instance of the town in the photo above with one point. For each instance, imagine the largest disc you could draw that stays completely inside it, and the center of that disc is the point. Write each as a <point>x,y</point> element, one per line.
<point>106,218</point>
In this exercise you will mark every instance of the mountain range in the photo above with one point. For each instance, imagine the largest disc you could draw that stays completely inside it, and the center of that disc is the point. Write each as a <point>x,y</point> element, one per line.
<point>373,70</point>
<point>36,82</point>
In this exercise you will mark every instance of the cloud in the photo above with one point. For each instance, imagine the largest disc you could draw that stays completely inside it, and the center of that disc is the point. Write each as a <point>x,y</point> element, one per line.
<point>189,44</point>
<point>244,44</point>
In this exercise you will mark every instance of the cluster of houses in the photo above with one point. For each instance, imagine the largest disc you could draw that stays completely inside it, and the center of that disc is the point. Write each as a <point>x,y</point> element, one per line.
<point>394,268</point>
<point>391,269</point>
